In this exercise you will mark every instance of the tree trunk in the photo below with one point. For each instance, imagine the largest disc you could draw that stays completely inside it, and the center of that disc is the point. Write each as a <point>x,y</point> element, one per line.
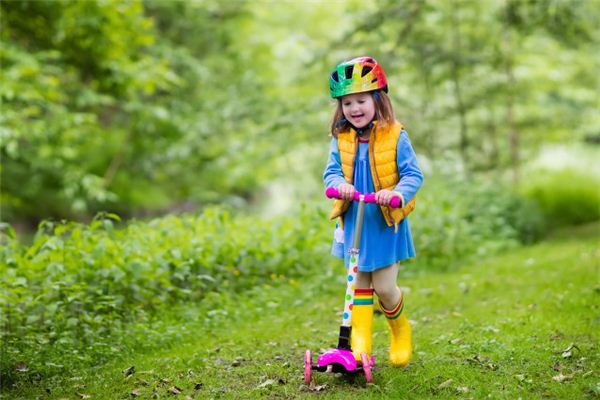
<point>116,161</point>
<point>494,154</point>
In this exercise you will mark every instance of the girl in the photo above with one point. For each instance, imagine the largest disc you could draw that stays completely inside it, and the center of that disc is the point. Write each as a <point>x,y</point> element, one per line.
<point>370,152</point>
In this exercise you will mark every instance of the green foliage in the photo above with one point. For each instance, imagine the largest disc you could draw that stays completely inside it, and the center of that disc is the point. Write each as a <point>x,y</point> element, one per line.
<point>567,196</point>
<point>78,286</point>
<point>456,219</point>
<point>138,107</point>
<point>72,102</point>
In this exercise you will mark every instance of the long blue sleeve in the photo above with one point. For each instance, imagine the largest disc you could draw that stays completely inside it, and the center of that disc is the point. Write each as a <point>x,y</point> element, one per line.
<point>333,175</point>
<point>411,176</point>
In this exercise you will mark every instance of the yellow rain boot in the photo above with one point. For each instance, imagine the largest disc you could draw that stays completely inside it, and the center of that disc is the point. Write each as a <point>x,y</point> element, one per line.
<point>400,332</point>
<point>362,322</point>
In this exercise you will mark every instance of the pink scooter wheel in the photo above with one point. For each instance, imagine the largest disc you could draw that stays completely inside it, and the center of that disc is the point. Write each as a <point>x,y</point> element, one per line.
<point>307,367</point>
<point>366,366</point>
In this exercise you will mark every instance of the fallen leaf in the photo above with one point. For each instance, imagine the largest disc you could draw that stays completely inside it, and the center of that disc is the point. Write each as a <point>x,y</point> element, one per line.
<point>520,377</point>
<point>136,393</point>
<point>462,389</point>
<point>491,366</point>
<point>475,359</point>
<point>21,367</point>
<point>174,390</point>
<point>568,352</point>
<point>129,371</point>
<point>456,341</point>
<point>268,382</point>
<point>445,384</point>
<point>84,396</point>
<point>561,378</point>
<point>317,388</point>
<point>144,382</point>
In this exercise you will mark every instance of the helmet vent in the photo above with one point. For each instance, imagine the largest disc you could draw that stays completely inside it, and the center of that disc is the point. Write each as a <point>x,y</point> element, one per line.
<point>335,77</point>
<point>374,80</point>
<point>349,70</point>
<point>365,71</point>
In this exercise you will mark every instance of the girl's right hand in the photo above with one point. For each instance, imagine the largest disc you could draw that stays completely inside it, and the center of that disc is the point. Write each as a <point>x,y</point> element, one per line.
<point>346,191</point>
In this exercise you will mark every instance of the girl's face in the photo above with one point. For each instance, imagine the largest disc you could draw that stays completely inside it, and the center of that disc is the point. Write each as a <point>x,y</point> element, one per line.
<point>358,108</point>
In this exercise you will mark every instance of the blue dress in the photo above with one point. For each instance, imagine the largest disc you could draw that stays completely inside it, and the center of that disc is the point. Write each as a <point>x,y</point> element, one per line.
<point>380,246</point>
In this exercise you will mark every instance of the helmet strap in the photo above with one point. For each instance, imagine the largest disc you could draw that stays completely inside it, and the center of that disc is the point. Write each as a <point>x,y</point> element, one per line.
<point>364,130</point>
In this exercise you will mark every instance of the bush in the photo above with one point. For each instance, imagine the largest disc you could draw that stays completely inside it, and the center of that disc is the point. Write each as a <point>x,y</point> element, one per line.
<point>456,219</point>
<point>79,286</point>
<point>566,197</point>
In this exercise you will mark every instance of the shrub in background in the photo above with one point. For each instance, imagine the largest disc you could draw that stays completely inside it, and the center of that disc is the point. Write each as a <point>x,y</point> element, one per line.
<point>565,197</point>
<point>456,219</point>
<point>70,296</point>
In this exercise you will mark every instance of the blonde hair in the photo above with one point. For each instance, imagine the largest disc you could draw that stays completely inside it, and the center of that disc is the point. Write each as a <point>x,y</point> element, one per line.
<point>384,113</point>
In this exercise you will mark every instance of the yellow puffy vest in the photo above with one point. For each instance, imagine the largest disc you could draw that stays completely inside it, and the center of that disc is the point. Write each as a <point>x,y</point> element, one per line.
<point>384,169</point>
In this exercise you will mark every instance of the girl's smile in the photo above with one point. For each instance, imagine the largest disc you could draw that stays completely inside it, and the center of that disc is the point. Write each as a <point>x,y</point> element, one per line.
<point>358,109</point>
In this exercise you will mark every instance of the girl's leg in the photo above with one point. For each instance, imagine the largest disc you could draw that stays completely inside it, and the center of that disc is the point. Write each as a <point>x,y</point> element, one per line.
<point>384,283</point>
<point>392,305</point>
<point>362,316</point>
<point>363,280</point>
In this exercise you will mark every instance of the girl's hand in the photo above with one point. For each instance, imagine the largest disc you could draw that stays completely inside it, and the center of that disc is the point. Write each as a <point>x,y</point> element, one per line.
<point>384,197</point>
<point>346,191</point>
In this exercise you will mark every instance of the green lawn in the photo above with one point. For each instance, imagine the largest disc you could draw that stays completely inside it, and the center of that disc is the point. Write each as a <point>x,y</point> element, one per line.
<point>524,324</point>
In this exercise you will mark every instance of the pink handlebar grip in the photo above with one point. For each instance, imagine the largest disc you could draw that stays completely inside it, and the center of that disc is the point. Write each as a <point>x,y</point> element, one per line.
<point>395,202</point>
<point>333,193</point>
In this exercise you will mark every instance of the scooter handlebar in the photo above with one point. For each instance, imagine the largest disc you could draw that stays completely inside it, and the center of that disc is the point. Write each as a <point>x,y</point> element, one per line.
<point>333,193</point>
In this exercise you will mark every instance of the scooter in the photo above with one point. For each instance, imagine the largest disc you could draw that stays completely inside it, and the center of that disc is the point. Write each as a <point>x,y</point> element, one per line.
<point>340,359</point>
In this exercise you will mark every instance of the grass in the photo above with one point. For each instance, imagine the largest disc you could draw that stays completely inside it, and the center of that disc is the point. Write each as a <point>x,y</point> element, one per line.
<point>521,325</point>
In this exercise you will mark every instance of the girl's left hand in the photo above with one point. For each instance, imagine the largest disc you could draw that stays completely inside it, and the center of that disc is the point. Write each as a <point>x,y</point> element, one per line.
<point>384,197</point>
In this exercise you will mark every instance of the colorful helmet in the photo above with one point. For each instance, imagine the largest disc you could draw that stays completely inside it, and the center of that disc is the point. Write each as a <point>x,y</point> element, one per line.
<point>358,75</point>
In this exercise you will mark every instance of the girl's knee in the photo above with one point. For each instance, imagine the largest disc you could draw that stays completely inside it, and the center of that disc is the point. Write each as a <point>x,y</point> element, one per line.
<point>388,293</point>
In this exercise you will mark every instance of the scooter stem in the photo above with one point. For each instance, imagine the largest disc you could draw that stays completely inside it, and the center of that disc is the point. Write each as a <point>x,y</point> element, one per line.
<point>360,213</point>
<point>346,328</point>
